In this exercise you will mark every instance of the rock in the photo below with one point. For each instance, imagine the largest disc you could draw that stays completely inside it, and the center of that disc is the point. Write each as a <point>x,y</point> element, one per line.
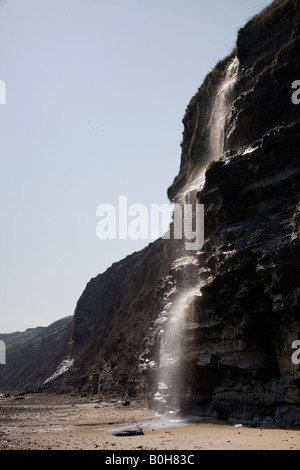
<point>137,431</point>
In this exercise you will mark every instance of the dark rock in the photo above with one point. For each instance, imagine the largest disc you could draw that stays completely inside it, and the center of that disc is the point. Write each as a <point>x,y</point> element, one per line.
<point>137,431</point>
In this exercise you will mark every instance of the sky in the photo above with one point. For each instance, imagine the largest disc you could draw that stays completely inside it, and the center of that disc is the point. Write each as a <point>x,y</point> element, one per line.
<point>95,93</point>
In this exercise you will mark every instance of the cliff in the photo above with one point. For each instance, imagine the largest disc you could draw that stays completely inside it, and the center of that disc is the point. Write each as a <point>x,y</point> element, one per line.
<point>236,343</point>
<point>111,320</point>
<point>240,332</point>
<point>32,356</point>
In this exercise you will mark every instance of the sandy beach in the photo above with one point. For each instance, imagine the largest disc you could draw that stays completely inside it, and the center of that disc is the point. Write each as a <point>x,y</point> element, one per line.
<point>49,422</point>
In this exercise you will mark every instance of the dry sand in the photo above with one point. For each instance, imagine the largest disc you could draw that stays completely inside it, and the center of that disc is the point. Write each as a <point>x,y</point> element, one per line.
<point>40,422</point>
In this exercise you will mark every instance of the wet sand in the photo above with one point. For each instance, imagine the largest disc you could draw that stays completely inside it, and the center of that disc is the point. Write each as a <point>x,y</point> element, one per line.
<point>41,422</point>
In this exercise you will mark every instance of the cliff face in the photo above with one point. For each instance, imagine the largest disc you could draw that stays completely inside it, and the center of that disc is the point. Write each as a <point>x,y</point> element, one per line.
<point>236,344</point>
<point>240,332</point>
<point>248,316</point>
<point>268,52</point>
<point>32,356</point>
<point>111,320</point>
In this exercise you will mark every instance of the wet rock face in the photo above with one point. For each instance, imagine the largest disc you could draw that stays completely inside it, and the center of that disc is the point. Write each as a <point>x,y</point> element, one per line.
<point>239,359</point>
<point>238,350</point>
<point>161,360</point>
<point>268,51</point>
<point>248,315</point>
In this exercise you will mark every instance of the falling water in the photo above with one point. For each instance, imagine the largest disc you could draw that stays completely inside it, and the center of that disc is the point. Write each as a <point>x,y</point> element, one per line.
<point>173,321</point>
<point>220,109</point>
<point>169,387</point>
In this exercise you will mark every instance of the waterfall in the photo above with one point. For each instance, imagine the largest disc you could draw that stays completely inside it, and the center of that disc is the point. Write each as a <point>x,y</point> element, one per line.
<point>172,321</point>
<point>220,109</point>
<point>169,386</point>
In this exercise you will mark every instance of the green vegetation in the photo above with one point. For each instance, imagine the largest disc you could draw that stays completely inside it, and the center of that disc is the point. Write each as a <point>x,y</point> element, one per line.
<point>210,165</point>
<point>180,180</point>
<point>218,71</point>
<point>221,66</point>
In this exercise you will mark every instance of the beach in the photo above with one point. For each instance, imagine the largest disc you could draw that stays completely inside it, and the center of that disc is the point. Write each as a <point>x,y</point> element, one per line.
<point>56,422</point>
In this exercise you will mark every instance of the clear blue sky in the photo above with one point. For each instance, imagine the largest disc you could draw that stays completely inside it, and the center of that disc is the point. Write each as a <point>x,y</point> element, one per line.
<point>96,91</point>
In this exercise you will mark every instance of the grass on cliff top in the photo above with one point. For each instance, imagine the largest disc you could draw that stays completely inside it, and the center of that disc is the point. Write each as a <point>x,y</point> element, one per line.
<point>221,66</point>
<point>217,72</point>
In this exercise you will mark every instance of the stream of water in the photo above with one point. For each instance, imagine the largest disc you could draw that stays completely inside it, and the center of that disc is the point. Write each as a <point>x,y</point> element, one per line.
<point>173,319</point>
